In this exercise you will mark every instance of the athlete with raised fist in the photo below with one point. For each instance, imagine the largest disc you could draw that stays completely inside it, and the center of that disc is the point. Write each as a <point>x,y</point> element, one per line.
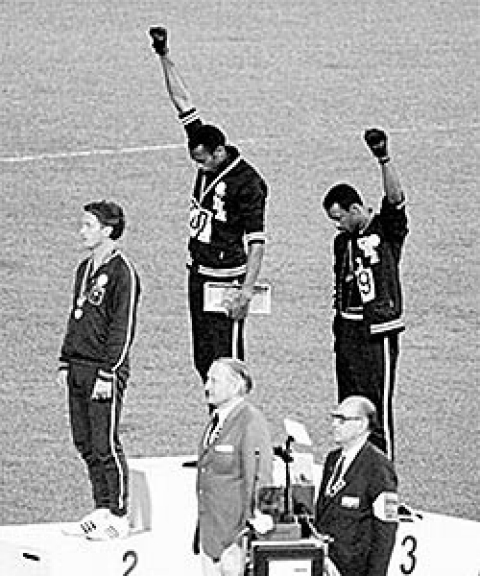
<point>227,213</point>
<point>368,310</point>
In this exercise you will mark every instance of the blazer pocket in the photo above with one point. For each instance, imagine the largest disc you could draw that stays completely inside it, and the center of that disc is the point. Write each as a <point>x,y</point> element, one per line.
<point>224,448</point>
<point>223,459</point>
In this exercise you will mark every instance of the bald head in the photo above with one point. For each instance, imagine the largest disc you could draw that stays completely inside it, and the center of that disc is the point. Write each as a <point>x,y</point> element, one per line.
<point>360,406</point>
<point>353,419</point>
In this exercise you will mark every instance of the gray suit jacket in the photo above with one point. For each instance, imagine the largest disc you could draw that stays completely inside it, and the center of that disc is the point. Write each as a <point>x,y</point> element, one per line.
<point>228,474</point>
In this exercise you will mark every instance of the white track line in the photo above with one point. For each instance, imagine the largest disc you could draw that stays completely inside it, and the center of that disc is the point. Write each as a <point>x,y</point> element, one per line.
<point>140,149</point>
<point>92,152</point>
<point>96,152</point>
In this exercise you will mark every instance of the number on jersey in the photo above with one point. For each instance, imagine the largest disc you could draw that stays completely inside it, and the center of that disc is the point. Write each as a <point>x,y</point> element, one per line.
<point>200,222</point>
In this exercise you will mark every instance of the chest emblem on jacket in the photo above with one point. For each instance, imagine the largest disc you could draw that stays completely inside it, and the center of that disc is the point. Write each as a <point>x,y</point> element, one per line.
<point>97,291</point>
<point>368,245</point>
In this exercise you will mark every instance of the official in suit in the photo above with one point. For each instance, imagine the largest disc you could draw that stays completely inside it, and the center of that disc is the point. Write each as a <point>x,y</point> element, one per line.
<point>357,502</point>
<point>234,460</point>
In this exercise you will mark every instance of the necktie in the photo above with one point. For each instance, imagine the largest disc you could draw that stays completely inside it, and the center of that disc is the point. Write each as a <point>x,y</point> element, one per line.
<point>211,432</point>
<point>332,486</point>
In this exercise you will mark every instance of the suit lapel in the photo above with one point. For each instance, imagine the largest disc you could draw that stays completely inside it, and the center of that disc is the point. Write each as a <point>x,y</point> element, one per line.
<point>202,449</point>
<point>348,476</point>
<point>223,431</point>
<point>325,500</point>
<point>354,465</point>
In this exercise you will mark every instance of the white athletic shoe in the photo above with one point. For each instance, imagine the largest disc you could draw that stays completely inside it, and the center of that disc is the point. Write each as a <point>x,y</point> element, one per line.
<point>87,524</point>
<point>111,527</point>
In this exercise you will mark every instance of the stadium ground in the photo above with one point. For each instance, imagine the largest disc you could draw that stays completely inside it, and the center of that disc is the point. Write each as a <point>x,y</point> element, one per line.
<point>84,116</point>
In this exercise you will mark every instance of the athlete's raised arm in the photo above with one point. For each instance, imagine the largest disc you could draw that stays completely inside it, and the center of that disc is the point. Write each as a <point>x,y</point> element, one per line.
<point>174,83</point>
<point>376,140</point>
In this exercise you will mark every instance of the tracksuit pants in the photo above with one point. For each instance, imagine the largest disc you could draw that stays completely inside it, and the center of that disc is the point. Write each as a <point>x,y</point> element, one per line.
<point>214,335</point>
<point>94,425</point>
<point>366,366</point>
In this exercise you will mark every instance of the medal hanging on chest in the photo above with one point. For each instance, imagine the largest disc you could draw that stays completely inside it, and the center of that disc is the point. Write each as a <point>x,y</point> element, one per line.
<point>80,301</point>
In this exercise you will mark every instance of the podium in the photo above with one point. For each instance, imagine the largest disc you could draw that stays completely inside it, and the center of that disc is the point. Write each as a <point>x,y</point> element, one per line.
<point>163,495</point>
<point>162,517</point>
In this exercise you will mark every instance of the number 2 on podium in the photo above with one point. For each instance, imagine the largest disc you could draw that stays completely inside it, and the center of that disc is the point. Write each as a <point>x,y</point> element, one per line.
<point>132,557</point>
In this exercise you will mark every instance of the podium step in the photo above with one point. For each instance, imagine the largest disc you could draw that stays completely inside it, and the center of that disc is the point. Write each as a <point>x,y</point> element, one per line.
<point>163,518</point>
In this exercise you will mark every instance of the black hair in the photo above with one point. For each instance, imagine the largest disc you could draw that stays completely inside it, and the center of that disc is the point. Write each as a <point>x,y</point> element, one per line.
<point>108,214</point>
<point>342,194</point>
<point>208,136</point>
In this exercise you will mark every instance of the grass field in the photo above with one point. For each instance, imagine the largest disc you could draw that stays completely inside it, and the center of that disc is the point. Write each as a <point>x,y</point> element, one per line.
<point>85,116</point>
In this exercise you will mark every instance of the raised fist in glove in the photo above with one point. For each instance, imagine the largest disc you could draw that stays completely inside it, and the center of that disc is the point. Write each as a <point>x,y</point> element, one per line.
<point>376,140</point>
<point>159,37</point>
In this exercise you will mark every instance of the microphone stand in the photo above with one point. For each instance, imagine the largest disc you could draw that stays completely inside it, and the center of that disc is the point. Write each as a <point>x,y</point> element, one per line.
<point>286,455</point>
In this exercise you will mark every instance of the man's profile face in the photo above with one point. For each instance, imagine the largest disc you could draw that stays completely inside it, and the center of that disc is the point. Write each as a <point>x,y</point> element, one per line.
<point>347,423</point>
<point>221,385</point>
<point>207,161</point>
<point>346,220</point>
<point>92,232</point>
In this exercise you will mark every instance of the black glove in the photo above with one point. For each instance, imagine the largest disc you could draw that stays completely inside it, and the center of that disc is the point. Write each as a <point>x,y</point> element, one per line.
<point>159,37</point>
<point>376,140</point>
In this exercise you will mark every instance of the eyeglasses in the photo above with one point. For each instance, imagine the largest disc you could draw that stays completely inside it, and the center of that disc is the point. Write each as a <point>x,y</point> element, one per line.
<point>341,418</point>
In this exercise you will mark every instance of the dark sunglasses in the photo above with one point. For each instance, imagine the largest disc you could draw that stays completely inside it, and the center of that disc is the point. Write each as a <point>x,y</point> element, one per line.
<point>341,418</point>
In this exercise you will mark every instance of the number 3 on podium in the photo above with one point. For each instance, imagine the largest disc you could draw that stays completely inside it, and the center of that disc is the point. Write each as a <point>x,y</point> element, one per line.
<point>409,543</point>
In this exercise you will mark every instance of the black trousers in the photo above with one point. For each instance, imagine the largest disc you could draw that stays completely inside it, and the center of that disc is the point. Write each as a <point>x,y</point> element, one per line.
<point>94,425</point>
<point>366,366</point>
<point>214,335</point>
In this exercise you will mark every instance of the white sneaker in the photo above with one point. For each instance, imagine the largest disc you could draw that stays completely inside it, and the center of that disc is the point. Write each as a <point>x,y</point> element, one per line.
<point>87,524</point>
<point>112,527</point>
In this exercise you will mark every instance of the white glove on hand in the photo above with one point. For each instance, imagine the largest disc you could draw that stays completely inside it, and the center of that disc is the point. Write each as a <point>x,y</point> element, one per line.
<point>261,523</point>
<point>102,390</point>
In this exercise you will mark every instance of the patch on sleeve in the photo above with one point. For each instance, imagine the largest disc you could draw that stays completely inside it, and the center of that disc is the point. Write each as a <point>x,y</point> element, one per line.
<point>385,507</point>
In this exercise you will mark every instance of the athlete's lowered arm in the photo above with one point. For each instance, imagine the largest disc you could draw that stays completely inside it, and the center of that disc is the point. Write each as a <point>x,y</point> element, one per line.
<point>239,306</point>
<point>255,253</point>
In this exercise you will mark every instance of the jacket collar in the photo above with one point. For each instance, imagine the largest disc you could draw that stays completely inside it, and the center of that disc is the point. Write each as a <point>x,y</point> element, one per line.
<point>224,425</point>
